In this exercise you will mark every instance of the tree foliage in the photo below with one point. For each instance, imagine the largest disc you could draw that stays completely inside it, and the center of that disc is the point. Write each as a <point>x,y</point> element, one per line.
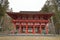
<point>3,8</point>
<point>56,17</point>
<point>45,9</point>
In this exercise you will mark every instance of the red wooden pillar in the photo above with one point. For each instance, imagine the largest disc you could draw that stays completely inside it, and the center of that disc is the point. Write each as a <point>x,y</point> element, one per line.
<point>33,31</point>
<point>46,29</point>
<point>20,28</point>
<point>26,28</point>
<point>40,29</point>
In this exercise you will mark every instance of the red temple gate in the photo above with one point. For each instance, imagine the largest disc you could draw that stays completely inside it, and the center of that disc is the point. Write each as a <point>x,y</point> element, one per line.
<point>30,22</point>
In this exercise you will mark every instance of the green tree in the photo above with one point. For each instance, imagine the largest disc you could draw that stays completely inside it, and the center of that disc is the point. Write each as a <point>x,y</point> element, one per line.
<point>56,17</point>
<point>45,9</point>
<point>3,9</point>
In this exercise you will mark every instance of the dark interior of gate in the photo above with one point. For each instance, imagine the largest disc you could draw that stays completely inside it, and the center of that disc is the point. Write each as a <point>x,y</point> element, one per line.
<point>30,22</point>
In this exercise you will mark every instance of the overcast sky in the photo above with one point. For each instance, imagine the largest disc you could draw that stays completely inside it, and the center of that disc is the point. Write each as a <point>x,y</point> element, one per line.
<point>26,5</point>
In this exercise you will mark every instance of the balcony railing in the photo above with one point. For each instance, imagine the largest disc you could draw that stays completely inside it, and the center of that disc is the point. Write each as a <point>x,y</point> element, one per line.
<point>30,21</point>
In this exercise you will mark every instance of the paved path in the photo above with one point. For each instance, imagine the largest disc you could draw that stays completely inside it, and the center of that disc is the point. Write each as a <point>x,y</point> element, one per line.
<point>28,37</point>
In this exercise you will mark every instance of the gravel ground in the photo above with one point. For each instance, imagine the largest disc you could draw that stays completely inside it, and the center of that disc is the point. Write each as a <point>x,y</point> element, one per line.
<point>29,37</point>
